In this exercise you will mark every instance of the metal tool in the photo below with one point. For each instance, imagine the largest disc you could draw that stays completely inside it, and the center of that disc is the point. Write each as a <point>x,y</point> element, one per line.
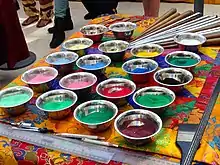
<point>82,149</point>
<point>188,139</point>
<point>79,136</point>
<point>180,22</point>
<point>194,28</point>
<point>34,129</point>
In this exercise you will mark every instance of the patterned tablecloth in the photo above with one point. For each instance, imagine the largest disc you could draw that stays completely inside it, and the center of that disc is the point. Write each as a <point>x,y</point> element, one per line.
<point>188,108</point>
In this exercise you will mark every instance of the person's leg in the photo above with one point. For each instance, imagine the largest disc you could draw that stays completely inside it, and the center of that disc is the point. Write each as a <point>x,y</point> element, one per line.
<point>108,6</point>
<point>99,7</point>
<point>90,6</point>
<point>31,11</point>
<point>46,12</point>
<point>62,22</point>
<point>60,8</point>
<point>62,11</point>
<point>151,8</point>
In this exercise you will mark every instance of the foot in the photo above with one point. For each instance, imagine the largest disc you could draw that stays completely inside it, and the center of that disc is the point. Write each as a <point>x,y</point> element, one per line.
<point>67,26</point>
<point>107,13</point>
<point>58,38</point>
<point>90,16</point>
<point>59,34</point>
<point>30,20</point>
<point>51,30</point>
<point>43,22</point>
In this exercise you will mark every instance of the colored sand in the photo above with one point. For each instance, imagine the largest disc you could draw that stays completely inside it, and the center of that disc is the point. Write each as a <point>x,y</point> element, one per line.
<point>79,84</point>
<point>170,81</point>
<point>94,66</point>
<point>151,100</point>
<point>14,99</point>
<point>40,78</point>
<point>57,104</point>
<point>59,61</point>
<point>141,70</point>
<point>117,91</point>
<point>96,116</point>
<point>147,127</point>
<point>77,47</point>
<point>147,54</point>
<point>181,61</point>
<point>190,42</point>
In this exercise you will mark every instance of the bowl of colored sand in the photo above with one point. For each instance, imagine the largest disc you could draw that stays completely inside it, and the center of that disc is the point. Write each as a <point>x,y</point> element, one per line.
<point>154,98</point>
<point>81,83</point>
<point>116,90</point>
<point>94,32</point>
<point>115,49</point>
<point>62,61</point>
<point>138,126</point>
<point>173,78</point>
<point>189,41</point>
<point>96,115</point>
<point>147,51</point>
<point>123,30</point>
<point>14,100</point>
<point>40,78</point>
<point>93,63</point>
<point>140,70</point>
<point>78,45</point>
<point>58,104</point>
<point>183,59</point>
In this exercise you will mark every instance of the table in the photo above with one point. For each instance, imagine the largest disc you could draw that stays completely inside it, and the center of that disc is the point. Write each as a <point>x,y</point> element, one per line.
<point>188,108</point>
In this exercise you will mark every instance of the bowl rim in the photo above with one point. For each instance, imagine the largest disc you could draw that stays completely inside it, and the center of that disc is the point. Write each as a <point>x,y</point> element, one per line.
<point>143,112</point>
<point>131,23</point>
<point>186,52</point>
<point>172,68</point>
<point>104,101</point>
<point>52,91</point>
<point>118,41</point>
<point>148,44</point>
<point>144,59</point>
<point>75,55</point>
<point>112,79</point>
<point>72,74</point>
<point>45,67</point>
<point>97,25</point>
<point>192,34</point>
<point>170,92</point>
<point>90,55</point>
<point>17,87</point>
<point>73,39</point>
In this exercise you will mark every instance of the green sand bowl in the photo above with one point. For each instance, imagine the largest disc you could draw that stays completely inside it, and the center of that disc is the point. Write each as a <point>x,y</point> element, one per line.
<point>13,100</point>
<point>96,115</point>
<point>154,98</point>
<point>57,103</point>
<point>183,59</point>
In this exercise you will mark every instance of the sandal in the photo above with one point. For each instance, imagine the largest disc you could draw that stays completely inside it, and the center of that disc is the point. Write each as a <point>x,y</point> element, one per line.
<point>30,20</point>
<point>43,22</point>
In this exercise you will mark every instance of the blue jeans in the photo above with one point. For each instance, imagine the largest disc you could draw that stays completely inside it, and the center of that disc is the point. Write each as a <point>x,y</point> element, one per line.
<point>60,8</point>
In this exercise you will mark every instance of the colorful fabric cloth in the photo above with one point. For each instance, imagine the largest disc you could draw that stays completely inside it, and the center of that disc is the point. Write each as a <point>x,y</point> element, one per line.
<point>187,108</point>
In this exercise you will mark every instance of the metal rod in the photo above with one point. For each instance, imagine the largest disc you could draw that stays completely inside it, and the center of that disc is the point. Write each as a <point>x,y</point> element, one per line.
<point>196,21</point>
<point>161,41</point>
<point>198,27</point>
<point>184,20</point>
<point>180,28</point>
